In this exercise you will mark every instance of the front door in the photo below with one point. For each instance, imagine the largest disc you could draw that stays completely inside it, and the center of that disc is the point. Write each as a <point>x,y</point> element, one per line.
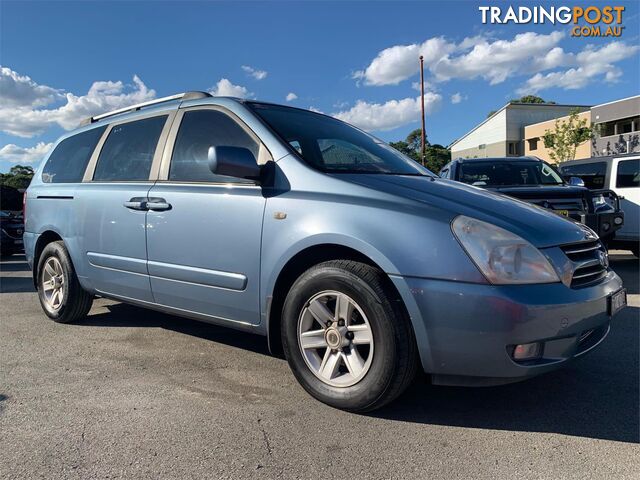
<point>203,241</point>
<point>111,207</point>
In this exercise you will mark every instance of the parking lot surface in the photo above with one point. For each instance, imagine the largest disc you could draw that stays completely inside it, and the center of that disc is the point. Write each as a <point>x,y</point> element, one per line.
<point>130,393</point>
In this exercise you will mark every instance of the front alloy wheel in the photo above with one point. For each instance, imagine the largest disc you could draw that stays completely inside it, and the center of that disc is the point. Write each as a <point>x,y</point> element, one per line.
<point>335,339</point>
<point>347,337</point>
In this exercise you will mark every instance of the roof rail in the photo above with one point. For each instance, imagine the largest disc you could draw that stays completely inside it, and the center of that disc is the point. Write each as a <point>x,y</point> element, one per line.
<point>180,96</point>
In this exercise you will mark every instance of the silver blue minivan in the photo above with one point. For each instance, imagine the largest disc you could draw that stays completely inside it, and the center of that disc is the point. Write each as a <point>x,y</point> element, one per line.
<point>357,263</point>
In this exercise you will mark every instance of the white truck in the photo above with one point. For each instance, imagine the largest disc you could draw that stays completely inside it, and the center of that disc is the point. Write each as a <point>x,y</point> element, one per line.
<point>620,173</point>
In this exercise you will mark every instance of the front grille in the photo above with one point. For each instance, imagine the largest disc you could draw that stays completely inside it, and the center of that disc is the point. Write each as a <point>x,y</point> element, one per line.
<point>575,206</point>
<point>590,262</point>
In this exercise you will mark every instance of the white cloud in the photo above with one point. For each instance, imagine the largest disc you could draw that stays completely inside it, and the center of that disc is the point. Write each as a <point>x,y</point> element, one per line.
<point>388,115</point>
<point>20,91</point>
<point>588,65</point>
<point>395,64</point>
<point>457,98</point>
<point>314,109</point>
<point>24,155</point>
<point>28,121</point>
<point>224,88</point>
<point>257,74</point>
<point>291,97</point>
<point>495,61</point>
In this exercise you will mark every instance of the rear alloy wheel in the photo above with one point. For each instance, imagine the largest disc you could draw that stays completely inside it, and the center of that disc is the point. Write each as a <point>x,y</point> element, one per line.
<point>53,287</point>
<point>346,336</point>
<point>61,296</point>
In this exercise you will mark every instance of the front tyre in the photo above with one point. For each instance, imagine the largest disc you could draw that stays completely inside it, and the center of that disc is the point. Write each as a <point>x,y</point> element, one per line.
<point>62,298</point>
<point>346,336</point>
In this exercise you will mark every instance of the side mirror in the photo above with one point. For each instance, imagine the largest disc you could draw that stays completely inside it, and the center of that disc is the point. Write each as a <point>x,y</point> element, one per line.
<point>236,162</point>
<point>576,182</point>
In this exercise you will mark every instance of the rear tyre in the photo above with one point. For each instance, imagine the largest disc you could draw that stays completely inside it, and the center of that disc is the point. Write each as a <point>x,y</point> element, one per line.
<point>62,298</point>
<point>346,336</point>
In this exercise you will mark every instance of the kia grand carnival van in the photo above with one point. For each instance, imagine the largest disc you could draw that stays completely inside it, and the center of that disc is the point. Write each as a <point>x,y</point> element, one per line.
<point>356,262</point>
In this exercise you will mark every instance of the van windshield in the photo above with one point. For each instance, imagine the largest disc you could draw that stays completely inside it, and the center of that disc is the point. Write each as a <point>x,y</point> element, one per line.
<point>333,146</point>
<point>508,174</point>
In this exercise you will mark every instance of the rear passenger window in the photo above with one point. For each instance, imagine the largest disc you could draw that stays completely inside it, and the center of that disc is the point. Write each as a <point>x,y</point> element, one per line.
<point>199,130</point>
<point>628,174</point>
<point>128,152</point>
<point>592,174</point>
<point>69,160</point>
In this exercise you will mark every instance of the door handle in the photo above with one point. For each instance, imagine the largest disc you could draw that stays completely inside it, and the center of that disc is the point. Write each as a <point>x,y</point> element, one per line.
<point>137,203</point>
<point>158,204</point>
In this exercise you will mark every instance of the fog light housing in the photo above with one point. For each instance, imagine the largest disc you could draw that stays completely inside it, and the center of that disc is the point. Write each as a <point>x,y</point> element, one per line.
<point>617,220</point>
<point>606,226</point>
<point>527,351</point>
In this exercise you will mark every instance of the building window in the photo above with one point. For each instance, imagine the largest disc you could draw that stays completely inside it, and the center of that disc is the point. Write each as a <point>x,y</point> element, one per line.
<point>618,127</point>
<point>533,143</point>
<point>482,146</point>
<point>512,148</point>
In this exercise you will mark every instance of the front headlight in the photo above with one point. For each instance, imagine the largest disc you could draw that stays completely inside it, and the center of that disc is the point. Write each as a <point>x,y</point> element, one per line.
<point>502,257</point>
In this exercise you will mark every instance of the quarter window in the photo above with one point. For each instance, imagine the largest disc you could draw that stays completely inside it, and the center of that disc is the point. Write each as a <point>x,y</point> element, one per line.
<point>628,174</point>
<point>128,152</point>
<point>200,130</point>
<point>69,160</point>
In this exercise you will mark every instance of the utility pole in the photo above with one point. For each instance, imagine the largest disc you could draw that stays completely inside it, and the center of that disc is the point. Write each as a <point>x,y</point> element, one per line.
<point>424,135</point>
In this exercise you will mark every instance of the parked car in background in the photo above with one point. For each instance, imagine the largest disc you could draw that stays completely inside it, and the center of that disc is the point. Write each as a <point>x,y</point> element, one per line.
<point>357,262</point>
<point>620,173</point>
<point>535,181</point>
<point>11,222</point>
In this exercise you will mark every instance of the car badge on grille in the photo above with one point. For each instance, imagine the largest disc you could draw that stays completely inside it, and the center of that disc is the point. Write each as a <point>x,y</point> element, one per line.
<point>603,258</point>
<point>19,231</point>
<point>588,233</point>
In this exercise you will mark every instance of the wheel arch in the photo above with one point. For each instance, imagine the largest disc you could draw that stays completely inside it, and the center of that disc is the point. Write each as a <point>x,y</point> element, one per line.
<point>298,264</point>
<point>44,239</point>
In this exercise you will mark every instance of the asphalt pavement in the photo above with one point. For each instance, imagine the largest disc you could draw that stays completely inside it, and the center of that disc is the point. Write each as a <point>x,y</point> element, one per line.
<point>131,393</point>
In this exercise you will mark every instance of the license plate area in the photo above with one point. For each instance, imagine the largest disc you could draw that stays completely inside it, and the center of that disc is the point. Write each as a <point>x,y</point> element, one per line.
<point>617,301</point>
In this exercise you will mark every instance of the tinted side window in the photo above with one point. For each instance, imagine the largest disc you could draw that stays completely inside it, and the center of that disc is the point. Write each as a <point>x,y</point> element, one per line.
<point>592,174</point>
<point>199,130</point>
<point>628,174</point>
<point>127,153</point>
<point>69,160</point>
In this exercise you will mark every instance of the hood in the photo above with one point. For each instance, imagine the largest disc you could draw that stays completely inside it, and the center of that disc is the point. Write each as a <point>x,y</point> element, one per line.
<point>536,225</point>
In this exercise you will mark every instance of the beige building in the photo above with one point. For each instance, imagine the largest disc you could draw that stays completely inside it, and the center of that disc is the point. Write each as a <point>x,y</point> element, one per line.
<point>534,141</point>
<point>502,134</point>
<point>616,131</point>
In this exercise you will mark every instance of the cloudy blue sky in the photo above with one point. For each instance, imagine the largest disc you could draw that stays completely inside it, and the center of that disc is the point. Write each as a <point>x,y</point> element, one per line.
<point>358,61</point>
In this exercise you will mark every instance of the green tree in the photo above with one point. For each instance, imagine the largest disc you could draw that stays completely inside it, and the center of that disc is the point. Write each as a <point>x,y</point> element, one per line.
<point>526,99</point>
<point>531,99</point>
<point>436,156</point>
<point>19,177</point>
<point>566,136</point>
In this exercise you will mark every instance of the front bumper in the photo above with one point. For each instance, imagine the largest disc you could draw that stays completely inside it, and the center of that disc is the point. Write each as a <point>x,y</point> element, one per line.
<point>604,224</point>
<point>466,332</point>
<point>10,244</point>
